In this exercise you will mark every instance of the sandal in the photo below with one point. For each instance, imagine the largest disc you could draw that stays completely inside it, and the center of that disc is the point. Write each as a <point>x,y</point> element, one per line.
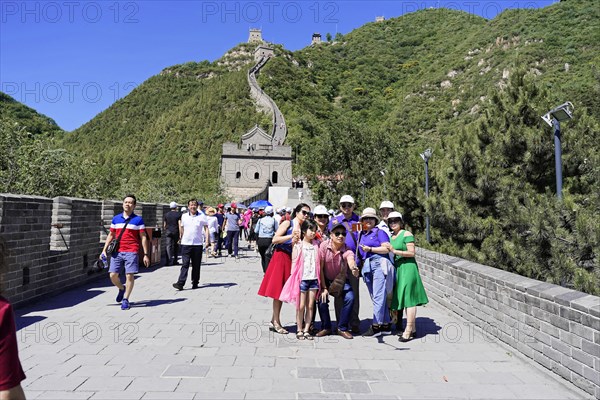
<point>308,336</point>
<point>280,329</point>
<point>300,335</point>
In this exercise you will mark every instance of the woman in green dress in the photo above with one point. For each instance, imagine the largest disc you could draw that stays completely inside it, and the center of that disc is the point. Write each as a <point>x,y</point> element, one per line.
<point>408,291</point>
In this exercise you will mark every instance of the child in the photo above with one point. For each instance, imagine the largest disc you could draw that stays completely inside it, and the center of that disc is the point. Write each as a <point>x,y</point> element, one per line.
<point>305,280</point>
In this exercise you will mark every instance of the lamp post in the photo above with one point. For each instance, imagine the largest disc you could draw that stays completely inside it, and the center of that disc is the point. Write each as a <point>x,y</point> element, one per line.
<point>553,118</point>
<point>363,183</point>
<point>382,172</point>
<point>426,155</point>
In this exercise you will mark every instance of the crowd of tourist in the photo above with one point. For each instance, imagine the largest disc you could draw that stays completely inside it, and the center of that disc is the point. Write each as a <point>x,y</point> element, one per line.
<point>308,257</point>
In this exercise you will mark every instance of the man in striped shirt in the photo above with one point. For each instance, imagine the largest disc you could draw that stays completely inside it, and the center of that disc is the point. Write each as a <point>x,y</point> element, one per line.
<point>127,254</point>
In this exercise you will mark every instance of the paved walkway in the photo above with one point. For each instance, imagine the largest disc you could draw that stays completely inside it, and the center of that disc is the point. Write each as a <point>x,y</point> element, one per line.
<point>213,343</point>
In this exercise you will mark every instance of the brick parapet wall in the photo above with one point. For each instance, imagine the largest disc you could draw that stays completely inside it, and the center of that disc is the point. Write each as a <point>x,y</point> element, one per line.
<point>557,327</point>
<point>40,261</point>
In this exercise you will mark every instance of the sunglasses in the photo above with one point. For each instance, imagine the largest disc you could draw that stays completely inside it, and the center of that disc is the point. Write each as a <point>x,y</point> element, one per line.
<point>346,205</point>
<point>304,212</point>
<point>322,216</point>
<point>369,219</point>
<point>339,233</point>
<point>393,221</point>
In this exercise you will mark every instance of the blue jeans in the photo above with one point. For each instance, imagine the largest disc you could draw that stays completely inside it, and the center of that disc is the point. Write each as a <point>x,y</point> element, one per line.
<point>375,281</point>
<point>233,238</point>
<point>348,302</point>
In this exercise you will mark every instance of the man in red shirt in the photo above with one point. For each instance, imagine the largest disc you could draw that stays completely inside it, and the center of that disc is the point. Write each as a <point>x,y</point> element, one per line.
<point>130,228</point>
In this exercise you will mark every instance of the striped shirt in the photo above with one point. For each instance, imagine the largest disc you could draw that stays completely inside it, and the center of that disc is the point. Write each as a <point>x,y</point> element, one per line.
<point>130,241</point>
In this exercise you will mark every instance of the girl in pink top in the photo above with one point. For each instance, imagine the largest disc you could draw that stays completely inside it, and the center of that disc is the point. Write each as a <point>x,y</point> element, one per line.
<point>246,217</point>
<point>305,280</point>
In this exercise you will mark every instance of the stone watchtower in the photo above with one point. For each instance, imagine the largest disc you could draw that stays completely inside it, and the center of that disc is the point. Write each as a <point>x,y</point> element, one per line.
<point>263,51</point>
<point>255,36</point>
<point>316,38</point>
<point>247,167</point>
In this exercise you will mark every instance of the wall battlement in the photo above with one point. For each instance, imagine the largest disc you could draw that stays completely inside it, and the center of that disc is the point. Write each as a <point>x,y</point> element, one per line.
<point>557,327</point>
<point>53,243</point>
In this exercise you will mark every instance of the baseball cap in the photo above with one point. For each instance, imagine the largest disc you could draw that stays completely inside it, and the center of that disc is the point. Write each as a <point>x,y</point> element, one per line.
<point>268,210</point>
<point>335,224</point>
<point>173,204</point>
<point>347,199</point>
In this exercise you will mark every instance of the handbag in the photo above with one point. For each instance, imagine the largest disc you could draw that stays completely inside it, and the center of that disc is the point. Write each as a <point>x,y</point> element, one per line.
<point>113,246</point>
<point>337,285</point>
<point>269,252</point>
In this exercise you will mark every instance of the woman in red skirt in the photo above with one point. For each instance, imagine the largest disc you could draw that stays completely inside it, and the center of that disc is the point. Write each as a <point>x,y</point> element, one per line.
<point>280,265</point>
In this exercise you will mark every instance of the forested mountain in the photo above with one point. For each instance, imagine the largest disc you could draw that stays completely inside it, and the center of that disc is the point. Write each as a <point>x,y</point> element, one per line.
<point>471,89</point>
<point>30,160</point>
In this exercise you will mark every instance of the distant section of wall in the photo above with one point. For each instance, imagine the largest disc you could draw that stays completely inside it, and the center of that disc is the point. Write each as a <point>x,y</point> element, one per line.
<point>557,327</point>
<point>53,243</point>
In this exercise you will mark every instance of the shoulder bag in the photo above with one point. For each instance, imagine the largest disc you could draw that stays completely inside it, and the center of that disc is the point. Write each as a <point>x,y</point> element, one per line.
<point>113,246</point>
<point>335,288</point>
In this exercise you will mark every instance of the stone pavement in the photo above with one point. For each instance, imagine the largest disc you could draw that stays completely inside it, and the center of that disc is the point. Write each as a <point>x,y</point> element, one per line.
<point>213,343</point>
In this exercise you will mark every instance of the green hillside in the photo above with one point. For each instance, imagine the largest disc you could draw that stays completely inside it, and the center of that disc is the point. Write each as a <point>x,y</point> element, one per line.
<point>30,160</point>
<point>471,89</point>
<point>13,112</point>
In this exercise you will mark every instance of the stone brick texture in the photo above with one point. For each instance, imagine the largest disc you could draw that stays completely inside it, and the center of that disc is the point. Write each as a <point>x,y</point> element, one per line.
<point>555,326</point>
<point>53,243</point>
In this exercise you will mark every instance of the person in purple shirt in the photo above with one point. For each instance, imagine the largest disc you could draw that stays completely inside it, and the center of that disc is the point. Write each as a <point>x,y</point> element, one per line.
<point>377,269</point>
<point>347,218</point>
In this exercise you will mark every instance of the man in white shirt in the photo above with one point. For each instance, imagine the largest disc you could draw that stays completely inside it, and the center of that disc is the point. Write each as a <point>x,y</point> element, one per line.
<point>193,234</point>
<point>385,209</point>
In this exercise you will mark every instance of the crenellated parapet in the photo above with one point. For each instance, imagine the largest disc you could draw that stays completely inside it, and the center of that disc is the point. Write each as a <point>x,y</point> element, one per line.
<point>52,243</point>
<point>557,327</point>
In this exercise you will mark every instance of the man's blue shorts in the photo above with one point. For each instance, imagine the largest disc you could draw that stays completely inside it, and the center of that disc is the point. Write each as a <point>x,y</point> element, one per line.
<point>129,260</point>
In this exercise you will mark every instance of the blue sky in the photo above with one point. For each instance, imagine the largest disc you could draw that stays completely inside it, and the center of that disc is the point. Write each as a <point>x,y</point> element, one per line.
<point>71,59</point>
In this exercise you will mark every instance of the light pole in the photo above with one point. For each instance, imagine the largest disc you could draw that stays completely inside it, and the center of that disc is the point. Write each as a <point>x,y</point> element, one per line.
<point>382,172</point>
<point>363,183</point>
<point>426,155</point>
<point>553,118</point>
